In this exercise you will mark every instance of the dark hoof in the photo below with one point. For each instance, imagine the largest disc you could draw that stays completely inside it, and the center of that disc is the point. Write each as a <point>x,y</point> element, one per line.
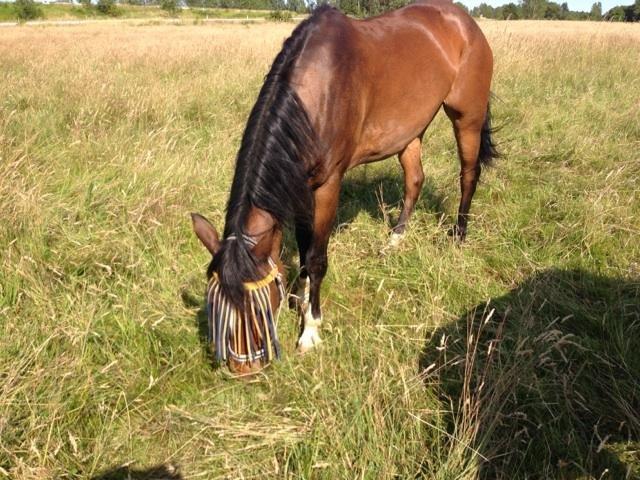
<point>457,233</point>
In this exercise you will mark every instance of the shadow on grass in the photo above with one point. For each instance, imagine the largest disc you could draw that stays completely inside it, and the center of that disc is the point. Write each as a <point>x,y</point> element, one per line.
<point>374,193</point>
<point>369,193</point>
<point>161,472</point>
<point>201,322</point>
<point>544,382</point>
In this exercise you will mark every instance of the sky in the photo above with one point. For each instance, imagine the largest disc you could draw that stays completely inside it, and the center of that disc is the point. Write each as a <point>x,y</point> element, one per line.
<point>575,5</point>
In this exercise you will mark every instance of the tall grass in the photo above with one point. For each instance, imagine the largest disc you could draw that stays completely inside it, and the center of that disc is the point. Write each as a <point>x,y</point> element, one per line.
<point>515,356</point>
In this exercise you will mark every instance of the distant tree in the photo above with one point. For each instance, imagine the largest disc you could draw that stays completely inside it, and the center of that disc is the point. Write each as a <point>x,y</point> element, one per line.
<point>511,11</point>
<point>464,7</point>
<point>27,10</point>
<point>483,10</point>
<point>371,7</point>
<point>616,14</point>
<point>488,11</point>
<point>534,8</point>
<point>623,14</point>
<point>552,11</point>
<point>108,7</point>
<point>351,7</point>
<point>296,5</point>
<point>539,8</point>
<point>170,6</point>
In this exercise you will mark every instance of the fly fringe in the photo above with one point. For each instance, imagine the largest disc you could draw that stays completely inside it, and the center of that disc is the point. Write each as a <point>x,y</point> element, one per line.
<point>249,337</point>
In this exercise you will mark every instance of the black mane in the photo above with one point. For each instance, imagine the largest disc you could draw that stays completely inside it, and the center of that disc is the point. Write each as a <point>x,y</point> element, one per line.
<point>271,172</point>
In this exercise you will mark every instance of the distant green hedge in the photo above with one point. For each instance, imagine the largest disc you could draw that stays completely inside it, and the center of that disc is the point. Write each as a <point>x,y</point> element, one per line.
<point>281,16</point>
<point>27,10</point>
<point>108,7</point>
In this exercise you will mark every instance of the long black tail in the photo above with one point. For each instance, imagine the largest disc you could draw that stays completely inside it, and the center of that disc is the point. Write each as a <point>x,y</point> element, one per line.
<point>488,149</point>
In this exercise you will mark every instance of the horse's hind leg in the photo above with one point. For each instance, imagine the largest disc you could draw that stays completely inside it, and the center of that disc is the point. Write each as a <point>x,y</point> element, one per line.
<point>410,159</point>
<point>466,106</point>
<point>467,127</point>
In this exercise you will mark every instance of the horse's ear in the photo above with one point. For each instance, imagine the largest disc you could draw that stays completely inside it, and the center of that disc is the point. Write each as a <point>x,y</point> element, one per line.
<point>206,232</point>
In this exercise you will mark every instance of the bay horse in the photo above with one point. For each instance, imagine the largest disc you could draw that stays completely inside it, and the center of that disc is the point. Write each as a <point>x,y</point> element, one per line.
<point>342,92</point>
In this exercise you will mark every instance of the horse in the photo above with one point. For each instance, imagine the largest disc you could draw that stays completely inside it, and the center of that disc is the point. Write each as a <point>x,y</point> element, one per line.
<point>342,92</point>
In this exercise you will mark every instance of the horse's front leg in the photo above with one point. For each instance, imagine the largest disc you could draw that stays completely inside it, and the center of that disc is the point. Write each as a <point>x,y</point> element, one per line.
<point>304,237</point>
<point>326,202</point>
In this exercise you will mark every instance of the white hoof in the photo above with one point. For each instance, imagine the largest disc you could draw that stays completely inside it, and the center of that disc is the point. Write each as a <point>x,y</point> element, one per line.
<point>396,239</point>
<point>309,339</point>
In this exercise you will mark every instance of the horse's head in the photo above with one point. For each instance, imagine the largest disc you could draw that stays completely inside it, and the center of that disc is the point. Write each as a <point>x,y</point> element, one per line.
<point>244,292</point>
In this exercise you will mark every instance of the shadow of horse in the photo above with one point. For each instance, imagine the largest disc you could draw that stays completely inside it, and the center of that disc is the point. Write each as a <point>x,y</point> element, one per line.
<point>161,472</point>
<point>201,323</point>
<point>544,382</point>
<point>373,191</point>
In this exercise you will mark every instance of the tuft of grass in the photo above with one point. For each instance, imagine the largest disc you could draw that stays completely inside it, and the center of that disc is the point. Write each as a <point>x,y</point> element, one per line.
<point>514,356</point>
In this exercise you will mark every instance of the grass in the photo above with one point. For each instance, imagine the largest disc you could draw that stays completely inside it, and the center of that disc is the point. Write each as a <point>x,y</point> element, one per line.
<point>75,12</point>
<point>513,357</point>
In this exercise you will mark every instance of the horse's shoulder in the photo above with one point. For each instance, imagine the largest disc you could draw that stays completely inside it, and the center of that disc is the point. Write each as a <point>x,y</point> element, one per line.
<point>332,28</point>
<point>443,8</point>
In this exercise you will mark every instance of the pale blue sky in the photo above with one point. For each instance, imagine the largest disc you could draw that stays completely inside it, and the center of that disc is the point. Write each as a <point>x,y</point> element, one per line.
<point>576,5</point>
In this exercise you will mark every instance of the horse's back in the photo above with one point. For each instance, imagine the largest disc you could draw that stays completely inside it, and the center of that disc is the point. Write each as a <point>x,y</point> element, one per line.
<point>437,28</point>
<point>381,80</point>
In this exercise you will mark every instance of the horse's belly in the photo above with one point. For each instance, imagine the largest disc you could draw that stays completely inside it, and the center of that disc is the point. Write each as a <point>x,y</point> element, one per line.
<point>390,130</point>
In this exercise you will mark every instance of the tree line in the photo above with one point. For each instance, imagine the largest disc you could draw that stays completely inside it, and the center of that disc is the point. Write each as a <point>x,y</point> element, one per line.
<point>544,9</point>
<point>523,9</point>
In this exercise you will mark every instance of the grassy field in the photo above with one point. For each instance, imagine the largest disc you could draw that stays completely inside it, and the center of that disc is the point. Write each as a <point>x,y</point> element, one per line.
<point>124,11</point>
<point>516,356</point>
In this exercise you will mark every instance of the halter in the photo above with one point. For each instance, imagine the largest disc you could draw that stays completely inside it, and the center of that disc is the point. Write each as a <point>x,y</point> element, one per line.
<point>229,330</point>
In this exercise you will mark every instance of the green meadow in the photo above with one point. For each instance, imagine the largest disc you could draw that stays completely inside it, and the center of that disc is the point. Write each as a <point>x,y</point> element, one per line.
<point>513,356</point>
<point>66,12</point>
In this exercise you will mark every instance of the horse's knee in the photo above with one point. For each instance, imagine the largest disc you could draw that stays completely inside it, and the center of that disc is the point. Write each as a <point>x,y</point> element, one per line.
<point>415,181</point>
<point>317,265</point>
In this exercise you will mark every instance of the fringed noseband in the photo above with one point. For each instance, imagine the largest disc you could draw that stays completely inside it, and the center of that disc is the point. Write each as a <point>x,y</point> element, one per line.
<point>255,332</point>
